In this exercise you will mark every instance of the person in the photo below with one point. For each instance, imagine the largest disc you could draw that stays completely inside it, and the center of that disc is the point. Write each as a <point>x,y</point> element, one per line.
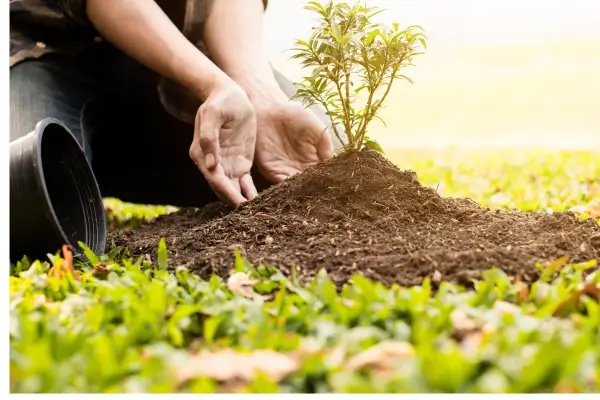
<point>168,99</point>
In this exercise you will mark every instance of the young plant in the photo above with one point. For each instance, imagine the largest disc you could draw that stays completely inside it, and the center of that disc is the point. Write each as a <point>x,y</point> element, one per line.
<point>349,53</point>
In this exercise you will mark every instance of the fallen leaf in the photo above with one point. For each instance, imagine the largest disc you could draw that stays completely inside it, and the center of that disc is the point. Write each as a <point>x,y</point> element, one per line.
<point>472,342</point>
<point>101,269</point>
<point>461,321</point>
<point>592,209</point>
<point>523,291</point>
<point>58,270</point>
<point>240,283</point>
<point>228,365</point>
<point>503,307</point>
<point>381,356</point>
<point>589,289</point>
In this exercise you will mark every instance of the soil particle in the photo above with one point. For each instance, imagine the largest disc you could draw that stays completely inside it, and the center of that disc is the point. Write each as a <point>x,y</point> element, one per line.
<point>360,214</point>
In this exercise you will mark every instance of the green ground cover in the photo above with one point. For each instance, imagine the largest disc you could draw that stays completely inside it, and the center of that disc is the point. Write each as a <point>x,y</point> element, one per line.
<point>125,325</point>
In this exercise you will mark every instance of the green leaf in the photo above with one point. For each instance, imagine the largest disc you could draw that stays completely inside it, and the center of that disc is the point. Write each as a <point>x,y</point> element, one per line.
<point>89,254</point>
<point>406,78</point>
<point>335,31</point>
<point>173,326</point>
<point>372,35</point>
<point>162,259</point>
<point>317,5</point>
<point>372,144</point>
<point>211,326</point>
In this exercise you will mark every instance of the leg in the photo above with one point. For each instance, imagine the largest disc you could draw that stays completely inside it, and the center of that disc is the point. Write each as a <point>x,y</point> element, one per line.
<point>43,88</point>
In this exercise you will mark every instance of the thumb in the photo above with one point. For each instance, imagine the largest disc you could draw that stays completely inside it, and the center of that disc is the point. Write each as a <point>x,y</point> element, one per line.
<point>324,144</point>
<point>207,126</point>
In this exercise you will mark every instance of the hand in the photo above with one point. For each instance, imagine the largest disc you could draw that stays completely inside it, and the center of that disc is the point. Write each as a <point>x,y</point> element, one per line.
<point>224,143</point>
<point>290,139</point>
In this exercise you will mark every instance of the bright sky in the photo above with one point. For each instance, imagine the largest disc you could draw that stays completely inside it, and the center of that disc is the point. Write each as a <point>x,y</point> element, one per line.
<point>487,61</point>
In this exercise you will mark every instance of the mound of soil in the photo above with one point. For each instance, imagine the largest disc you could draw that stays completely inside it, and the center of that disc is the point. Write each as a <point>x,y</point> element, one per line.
<point>360,214</point>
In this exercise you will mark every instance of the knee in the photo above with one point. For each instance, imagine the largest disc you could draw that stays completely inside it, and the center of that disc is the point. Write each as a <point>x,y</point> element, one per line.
<point>38,90</point>
<point>24,94</point>
<point>34,95</point>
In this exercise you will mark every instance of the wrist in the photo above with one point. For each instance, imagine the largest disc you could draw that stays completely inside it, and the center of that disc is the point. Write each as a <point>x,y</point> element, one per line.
<point>207,84</point>
<point>262,89</point>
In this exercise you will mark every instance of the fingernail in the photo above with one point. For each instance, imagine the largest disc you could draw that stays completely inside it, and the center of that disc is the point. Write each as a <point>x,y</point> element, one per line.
<point>209,159</point>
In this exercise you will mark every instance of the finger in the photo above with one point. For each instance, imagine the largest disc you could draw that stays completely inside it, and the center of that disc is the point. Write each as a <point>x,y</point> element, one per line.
<point>208,125</point>
<point>278,178</point>
<point>227,191</point>
<point>248,188</point>
<point>222,186</point>
<point>325,146</point>
<point>236,185</point>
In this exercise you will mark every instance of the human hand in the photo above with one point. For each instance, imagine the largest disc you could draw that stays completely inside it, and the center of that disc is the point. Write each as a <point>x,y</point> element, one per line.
<point>290,138</point>
<point>224,143</point>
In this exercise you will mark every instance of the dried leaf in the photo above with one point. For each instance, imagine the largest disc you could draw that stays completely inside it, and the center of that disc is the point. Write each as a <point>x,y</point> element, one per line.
<point>523,291</point>
<point>503,307</point>
<point>472,342</point>
<point>66,266</point>
<point>589,289</point>
<point>381,356</point>
<point>461,321</point>
<point>592,209</point>
<point>101,269</point>
<point>240,283</point>
<point>228,365</point>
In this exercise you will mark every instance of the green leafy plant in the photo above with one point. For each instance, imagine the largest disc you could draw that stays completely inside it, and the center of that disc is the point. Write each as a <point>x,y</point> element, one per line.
<point>350,53</point>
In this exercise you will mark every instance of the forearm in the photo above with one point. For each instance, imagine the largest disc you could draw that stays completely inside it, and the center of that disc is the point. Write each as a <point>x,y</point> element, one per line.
<point>143,31</point>
<point>233,37</point>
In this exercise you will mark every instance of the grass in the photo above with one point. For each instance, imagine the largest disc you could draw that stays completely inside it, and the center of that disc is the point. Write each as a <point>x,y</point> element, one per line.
<point>124,325</point>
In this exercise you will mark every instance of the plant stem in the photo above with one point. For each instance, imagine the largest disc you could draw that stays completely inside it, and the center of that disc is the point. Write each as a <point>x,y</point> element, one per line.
<point>346,110</point>
<point>335,131</point>
<point>362,134</point>
<point>368,115</point>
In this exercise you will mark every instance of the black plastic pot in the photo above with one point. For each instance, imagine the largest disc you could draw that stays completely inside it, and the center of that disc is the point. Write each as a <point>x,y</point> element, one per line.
<point>54,196</point>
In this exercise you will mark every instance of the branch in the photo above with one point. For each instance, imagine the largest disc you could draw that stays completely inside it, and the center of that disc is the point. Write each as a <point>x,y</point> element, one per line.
<point>395,71</point>
<point>367,117</point>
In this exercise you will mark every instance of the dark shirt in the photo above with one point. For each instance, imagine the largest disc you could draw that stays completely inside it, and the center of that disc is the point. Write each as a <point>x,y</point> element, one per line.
<point>39,27</point>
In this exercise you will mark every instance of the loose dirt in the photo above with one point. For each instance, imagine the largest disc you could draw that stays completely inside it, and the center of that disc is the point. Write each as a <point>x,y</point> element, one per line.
<point>360,214</point>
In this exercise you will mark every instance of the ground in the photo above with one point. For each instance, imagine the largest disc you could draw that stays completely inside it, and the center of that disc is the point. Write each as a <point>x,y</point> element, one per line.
<point>147,324</point>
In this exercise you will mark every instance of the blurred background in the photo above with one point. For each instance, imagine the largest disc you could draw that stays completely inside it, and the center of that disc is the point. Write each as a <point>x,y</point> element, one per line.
<point>496,74</point>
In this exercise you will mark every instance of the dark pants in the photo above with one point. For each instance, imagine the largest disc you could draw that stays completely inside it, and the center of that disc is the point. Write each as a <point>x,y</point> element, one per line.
<point>138,151</point>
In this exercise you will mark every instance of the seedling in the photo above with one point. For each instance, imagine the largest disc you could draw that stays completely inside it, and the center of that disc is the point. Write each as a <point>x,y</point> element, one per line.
<point>348,54</point>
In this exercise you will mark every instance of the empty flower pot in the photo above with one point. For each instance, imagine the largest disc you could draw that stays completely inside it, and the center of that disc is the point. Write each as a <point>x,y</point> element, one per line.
<point>54,196</point>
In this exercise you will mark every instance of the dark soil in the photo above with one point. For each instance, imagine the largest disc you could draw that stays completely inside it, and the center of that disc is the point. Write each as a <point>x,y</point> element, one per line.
<point>361,214</point>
